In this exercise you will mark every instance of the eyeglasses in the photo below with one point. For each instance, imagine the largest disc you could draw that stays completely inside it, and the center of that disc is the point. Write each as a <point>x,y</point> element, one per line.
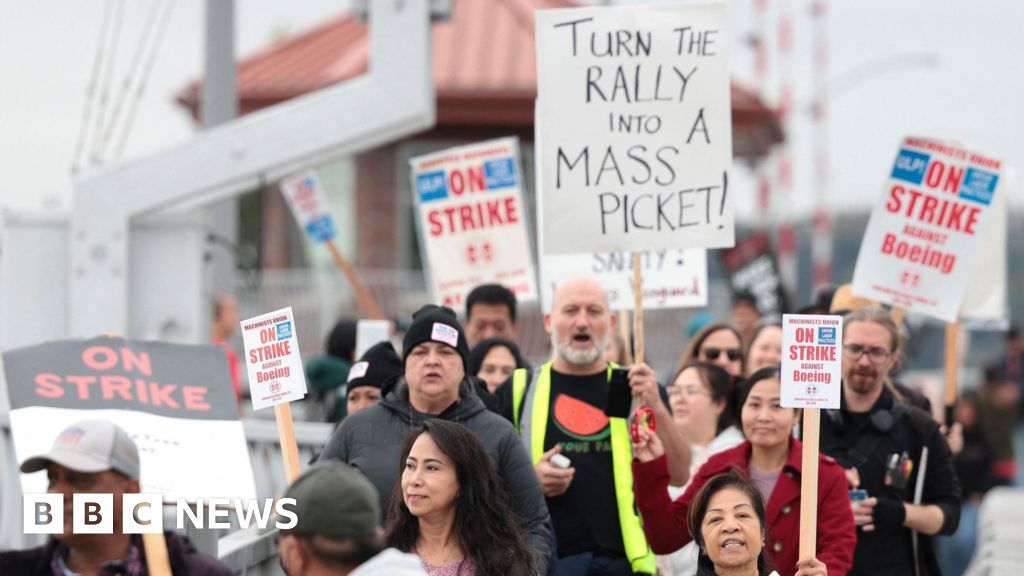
<point>688,391</point>
<point>876,354</point>
<point>712,354</point>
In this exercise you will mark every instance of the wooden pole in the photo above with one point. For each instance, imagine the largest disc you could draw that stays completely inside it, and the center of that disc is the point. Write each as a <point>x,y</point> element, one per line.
<point>627,351</point>
<point>157,561</point>
<point>951,360</point>
<point>363,295</point>
<point>809,485</point>
<point>638,310</point>
<point>286,434</point>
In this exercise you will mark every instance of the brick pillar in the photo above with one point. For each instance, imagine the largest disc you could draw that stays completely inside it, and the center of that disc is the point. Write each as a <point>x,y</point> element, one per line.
<point>376,209</point>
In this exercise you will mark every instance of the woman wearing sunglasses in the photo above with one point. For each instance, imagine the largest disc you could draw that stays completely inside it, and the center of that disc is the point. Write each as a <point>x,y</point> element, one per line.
<point>719,344</point>
<point>772,459</point>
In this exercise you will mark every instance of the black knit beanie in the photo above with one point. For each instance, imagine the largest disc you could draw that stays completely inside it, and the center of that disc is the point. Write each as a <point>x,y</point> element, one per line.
<point>377,365</point>
<point>435,324</point>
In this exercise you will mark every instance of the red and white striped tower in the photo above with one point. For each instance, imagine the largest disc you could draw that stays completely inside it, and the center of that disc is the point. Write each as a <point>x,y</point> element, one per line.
<point>759,38</point>
<point>821,225</point>
<point>784,154</point>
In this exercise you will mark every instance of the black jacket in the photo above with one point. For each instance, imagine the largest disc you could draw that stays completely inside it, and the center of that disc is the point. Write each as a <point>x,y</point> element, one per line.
<point>371,440</point>
<point>887,549</point>
<point>184,558</point>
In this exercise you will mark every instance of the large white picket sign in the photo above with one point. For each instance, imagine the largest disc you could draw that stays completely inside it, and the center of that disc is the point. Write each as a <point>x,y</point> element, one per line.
<point>472,220</point>
<point>921,241</point>
<point>633,128</point>
<point>672,278</point>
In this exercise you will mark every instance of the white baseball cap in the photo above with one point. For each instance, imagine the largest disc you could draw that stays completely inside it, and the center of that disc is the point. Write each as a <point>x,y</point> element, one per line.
<point>90,446</point>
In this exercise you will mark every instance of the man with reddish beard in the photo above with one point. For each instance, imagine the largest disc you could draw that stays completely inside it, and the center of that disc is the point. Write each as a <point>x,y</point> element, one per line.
<point>559,412</point>
<point>885,445</point>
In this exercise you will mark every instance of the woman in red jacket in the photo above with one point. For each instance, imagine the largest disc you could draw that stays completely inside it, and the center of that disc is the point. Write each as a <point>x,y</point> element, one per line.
<point>772,459</point>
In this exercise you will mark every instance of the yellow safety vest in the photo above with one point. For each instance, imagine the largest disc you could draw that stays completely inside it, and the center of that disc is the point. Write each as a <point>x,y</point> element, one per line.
<point>641,558</point>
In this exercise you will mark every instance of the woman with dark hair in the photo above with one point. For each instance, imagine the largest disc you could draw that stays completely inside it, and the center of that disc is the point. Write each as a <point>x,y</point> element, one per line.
<point>727,521</point>
<point>450,509</point>
<point>700,396</point>
<point>772,458</point>
<point>717,343</point>
<point>765,346</point>
<point>493,360</point>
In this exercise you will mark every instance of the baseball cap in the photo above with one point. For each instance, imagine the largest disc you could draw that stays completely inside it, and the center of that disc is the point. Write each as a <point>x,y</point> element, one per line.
<point>334,499</point>
<point>90,446</point>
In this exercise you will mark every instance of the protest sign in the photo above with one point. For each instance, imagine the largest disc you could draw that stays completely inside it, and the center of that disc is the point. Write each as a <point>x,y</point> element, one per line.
<point>920,242</point>
<point>307,203</point>
<point>753,268</point>
<point>272,359</point>
<point>176,402</point>
<point>811,378</point>
<point>672,278</point>
<point>634,129</point>
<point>985,304</point>
<point>812,355</point>
<point>472,220</point>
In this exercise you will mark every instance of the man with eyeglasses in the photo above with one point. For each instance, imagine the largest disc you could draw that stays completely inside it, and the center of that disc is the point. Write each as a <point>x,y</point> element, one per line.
<point>885,446</point>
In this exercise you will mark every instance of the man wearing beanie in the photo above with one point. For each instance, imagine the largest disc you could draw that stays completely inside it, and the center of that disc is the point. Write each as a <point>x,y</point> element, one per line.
<point>379,364</point>
<point>434,385</point>
<point>338,531</point>
<point>98,457</point>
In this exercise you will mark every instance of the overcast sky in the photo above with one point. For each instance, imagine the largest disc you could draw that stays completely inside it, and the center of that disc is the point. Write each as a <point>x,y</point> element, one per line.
<point>969,88</point>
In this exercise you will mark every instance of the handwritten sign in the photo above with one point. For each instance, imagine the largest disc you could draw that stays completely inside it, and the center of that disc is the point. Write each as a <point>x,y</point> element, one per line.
<point>308,206</point>
<point>471,220</point>
<point>812,360</point>
<point>634,130</point>
<point>170,398</point>
<point>921,239</point>
<point>672,278</point>
<point>272,359</point>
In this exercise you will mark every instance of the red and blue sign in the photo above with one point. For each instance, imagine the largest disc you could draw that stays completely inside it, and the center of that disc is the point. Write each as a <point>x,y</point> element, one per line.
<point>493,174</point>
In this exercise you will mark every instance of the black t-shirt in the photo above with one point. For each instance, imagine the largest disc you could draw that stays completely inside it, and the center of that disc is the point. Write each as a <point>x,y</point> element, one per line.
<point>585,518</point>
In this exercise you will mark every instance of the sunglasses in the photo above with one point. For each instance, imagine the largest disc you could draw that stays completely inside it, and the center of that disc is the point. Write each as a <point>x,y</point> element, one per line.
<point>712,354</point>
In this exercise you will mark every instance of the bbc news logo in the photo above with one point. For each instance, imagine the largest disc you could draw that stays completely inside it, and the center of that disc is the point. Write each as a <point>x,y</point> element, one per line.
<point>143,513</point>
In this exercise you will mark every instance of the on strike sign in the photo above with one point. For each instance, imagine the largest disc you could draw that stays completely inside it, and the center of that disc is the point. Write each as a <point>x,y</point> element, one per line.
<point>309,207</point>
<point>272,359</point>
<point>471,218</point>
<point>811,361</point>
<point>919,245</point>
<point>634,128</point>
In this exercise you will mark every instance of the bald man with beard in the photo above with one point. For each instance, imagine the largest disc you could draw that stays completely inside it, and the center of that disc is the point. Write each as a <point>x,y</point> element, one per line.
<point>559,409</point>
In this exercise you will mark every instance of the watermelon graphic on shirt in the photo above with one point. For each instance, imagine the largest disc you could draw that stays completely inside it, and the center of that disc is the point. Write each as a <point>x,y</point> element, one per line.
<point>579,420</point>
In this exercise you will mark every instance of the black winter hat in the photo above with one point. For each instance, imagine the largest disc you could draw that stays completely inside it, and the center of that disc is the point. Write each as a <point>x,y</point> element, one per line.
<point>433,323</point>
<point>376,366</point>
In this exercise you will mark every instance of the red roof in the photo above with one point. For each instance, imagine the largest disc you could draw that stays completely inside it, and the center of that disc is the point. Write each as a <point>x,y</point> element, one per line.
<point>484,70</point>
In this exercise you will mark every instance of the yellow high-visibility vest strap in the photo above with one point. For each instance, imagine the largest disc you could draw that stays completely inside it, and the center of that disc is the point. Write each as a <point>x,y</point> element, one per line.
<point>539,412</point>
<point>641,558</point>
<point>518,390</point>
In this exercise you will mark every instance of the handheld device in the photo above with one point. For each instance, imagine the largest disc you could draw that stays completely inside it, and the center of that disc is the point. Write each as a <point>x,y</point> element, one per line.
<point>620,395</point>
<point>559,461</point>
<point>858,495</point>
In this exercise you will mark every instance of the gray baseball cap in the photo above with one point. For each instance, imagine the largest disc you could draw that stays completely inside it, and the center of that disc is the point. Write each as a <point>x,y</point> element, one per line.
<point>336,500</point>
<point>90,446</point>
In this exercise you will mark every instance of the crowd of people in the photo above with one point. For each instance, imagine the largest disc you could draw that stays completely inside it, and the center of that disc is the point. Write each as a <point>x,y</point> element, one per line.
<point>455,457</point>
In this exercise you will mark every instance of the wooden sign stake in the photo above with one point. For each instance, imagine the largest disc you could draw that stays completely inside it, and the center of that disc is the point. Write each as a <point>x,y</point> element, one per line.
<point>286,434</point>
<point>809,485</point>
<point>638,310</point>
<point>951,360</point>
<point>157,561</point>
<point>363,295</point>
